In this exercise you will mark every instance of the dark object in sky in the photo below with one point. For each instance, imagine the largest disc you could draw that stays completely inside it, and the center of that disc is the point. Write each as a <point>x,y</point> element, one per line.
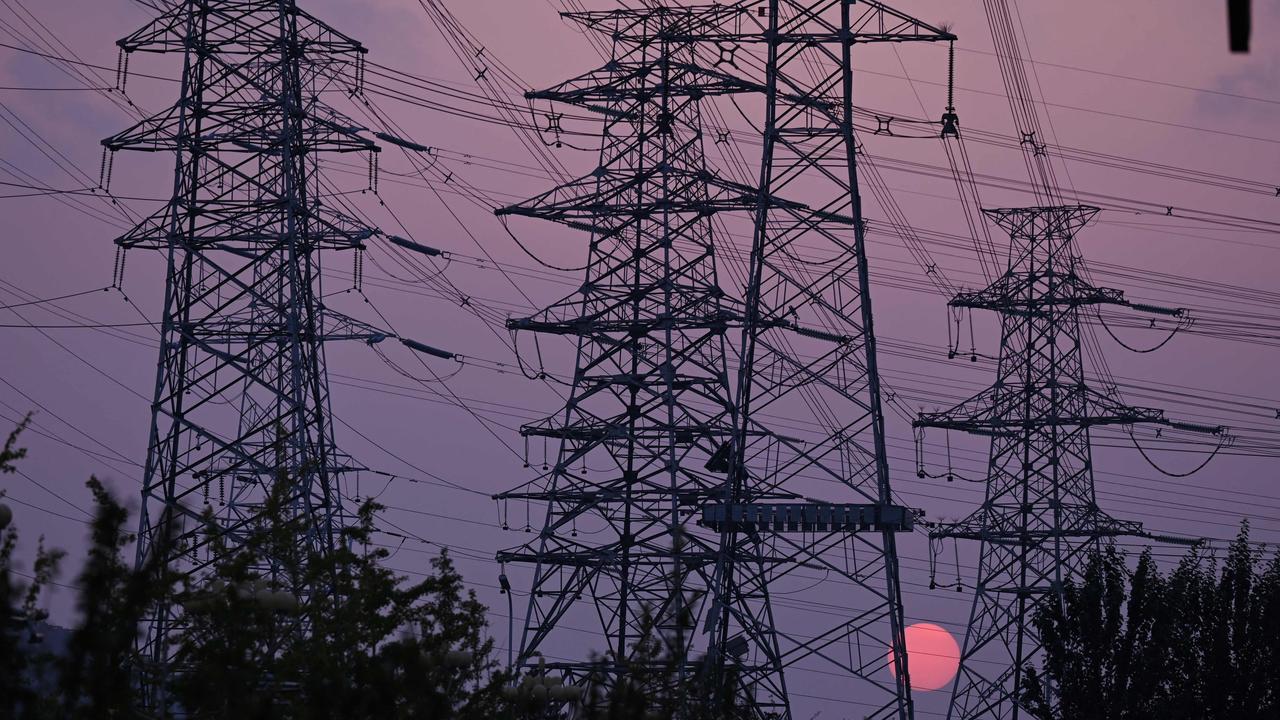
<point>1239,24</point>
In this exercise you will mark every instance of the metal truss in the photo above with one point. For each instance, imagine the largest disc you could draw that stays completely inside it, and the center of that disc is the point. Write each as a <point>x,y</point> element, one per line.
<point>807,352</point>
<point>808,349</point>
<point>643,434</point>
<point>1040,518</point>
<point>241,404</point>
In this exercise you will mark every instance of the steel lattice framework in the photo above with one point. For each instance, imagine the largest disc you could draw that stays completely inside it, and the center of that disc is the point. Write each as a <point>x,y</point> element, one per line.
<point>650,410</point>
<point>1040,518</point>
<point>808,349</point>
<point>241,398</point>
<point>648,357</point>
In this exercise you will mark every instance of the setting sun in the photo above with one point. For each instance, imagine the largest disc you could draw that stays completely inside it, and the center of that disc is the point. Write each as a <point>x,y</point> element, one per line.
<point>933,656</point>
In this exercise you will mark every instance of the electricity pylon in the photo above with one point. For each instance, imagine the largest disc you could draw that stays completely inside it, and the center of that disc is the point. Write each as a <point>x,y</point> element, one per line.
<point>807,351</point>
<point>241,400</point>
<point>1039,520</point>
<point>641,438</point>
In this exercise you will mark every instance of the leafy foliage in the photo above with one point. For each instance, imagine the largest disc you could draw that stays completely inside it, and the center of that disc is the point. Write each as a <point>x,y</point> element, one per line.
<point>1132,645</point>
<point>352,639</point>
<point>19,605</point>
<point>373,644</point>
<point>279,629</point>
<point>95,672</point>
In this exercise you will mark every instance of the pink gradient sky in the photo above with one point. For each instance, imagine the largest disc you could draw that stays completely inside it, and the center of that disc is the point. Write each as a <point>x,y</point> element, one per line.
<point>51,249</point>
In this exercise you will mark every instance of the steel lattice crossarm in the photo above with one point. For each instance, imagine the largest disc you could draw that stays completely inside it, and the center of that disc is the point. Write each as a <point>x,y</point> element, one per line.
<point>661,23</point>
<point>241,404</point>
<point>642,435</point>
<point>248,124</point>
<point>1047,272</point>
<point>995,529</point>
<point>1039,520</point>
<point>607,90</point>
<point>1003,411</point>
<point>811,21</point>
<point>244,30</point>
<point>603,202</point>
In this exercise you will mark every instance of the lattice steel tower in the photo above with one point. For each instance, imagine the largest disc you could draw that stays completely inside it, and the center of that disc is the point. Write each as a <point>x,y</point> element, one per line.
<point>681,438</point>
<point>1040,518</point>
<point>650,409</point>
<point>241,398</point>
<point>809,354</point>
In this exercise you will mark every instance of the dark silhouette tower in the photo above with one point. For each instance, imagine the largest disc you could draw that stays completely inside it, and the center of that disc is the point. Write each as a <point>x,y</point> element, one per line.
<point>650,409</point>
<point>808,354</point>
<point>241,403</point>
<point>686,435</point>
<point>1040,518</point>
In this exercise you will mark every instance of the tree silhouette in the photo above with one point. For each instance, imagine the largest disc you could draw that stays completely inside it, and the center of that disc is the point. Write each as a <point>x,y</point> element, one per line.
<point>21,670</point>
<point>375,644</point>
<point>1133,645</point>
<point>94,674</point>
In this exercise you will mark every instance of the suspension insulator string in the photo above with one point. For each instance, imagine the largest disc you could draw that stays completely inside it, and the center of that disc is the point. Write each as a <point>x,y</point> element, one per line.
<point>933,564</point>
<point>950,473</point>
<point>950,352</point>
<point>106,182</point>
<point>115,269</point>
<point>955,546</point>
<point>951,121</point>
<point>124,257</point>
<point>919,438</point>
<point>973,345</point>
<point>951,76</point>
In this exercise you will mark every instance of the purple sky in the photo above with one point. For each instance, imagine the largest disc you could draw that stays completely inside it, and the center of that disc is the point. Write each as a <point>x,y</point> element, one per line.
<point>1186,102</point>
